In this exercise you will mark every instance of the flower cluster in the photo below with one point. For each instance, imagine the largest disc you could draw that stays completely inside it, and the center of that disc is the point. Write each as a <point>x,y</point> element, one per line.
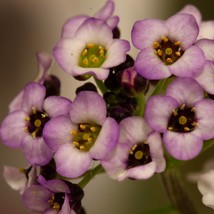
<point>141,115</point>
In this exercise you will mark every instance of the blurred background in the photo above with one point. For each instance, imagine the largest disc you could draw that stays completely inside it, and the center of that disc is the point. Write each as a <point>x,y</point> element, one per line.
<point>28,26</point>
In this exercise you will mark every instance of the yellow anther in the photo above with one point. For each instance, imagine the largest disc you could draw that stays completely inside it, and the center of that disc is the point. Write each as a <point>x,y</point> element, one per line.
<point>101,47</point>
<point>101,52</point>
<point>170,128</point>
<point>34,110</point>
<point>186,129</point>
<point>177,43</point>
<point>131,152</point>
<point>133,147</point>
<point>75,143</point>
<point>26,129</point>
<point>178,53</point>
<point>90,139</point>
<point>138,155</point>
<point>83,127</point>
<point>159,52</point>
<point>169,60</point>
<point>90,45</point>
<point>175,113</point>
<point>85,136</point>
<point>33,134</point>
<point>194,123</point>
<point>27,118</point>
<point>93,129</point>
<point>82,147</point>
<point>182,120</point>
<point>85,52</point>
<point>94,59</point>
<point>74,132</point>
<point>182,106</point>
<point>37,122</point>
<point>43,115</point>
<point>164,38</point>
<point>168,51</point>
<point>56,205</point>
<point>156,45</point>
<point>85,61</point>
<point>193,109</point>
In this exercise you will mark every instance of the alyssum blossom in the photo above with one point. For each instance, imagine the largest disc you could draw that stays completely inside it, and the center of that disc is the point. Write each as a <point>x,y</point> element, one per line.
<point>138,154</point>
<point>183,116</point>
<point>167,47</point>
<point>83,136</point>
<point>24,127</point>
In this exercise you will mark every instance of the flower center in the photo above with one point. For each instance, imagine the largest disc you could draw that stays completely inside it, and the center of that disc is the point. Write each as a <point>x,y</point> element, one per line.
<point>36,122</point>
<point>57,200</point>
<point>139,155</point>
<point>182,119</point>
<point>168,51</point>
<point>92,56</point>
<point>86,135</point>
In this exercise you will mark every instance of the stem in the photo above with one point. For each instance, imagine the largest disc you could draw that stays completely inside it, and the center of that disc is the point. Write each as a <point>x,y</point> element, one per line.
<point>176,192</point>
<point>100,85</point>
<point>168,209</point>
<point>141,104</point>
<point>90,174</point>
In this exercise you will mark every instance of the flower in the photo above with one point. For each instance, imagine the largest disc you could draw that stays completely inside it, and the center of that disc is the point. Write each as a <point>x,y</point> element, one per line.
<point>138,154</point>
<point>167,47</point>
<point>23,128</point>
<point>91,51</point>
<point>86,135</point>
<point>53,196</point>
<point>183,116</point>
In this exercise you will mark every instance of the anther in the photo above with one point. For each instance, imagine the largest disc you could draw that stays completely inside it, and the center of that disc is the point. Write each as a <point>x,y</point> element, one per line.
<point>85,136</point>
<point>193,109</point>
<point>26,129</point>
<point>159,52</point>
<point>85,61</point>
<point>75,143</point>
<point>194,123</point>
<point>134,147</point>
<point>101,52</point>
<point>178,53</point>
<point>56,205</point>
<point>186,129</point>
<point>33,134</point>
<point>43,115</point>
<point>34,110</point>
<point>95,60</point>
<point>175,113</point>
<point>82,147</point>
<point>90,45</point>
<point>170,128</point>
<point>177,43</point>
<point>169,60</point>
<point>83,127</point>
<point>156,45</point>
<point>27,118</point>
<point>85,52</point>
<point>74,132</point>
<point>90,140</point>
<point>93,129</point>
<point>164,38</point>
<point>182,106</point>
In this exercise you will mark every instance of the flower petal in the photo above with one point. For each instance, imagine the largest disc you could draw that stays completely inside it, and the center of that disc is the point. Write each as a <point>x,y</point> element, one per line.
<point>133,129</point>
<point>190,63</point>
<point>116,53</point>
<point>84,108</point>
<point>149,66</point>
<point>56,105</point>
<point>16,103</point>
<point>35,150</point>
<point>147,31</point>
<point>206,77</point>
<point>139,172</point>
<point>183,28</point>
<point>71,25</point>
<point>205,115</point>
<point>113,22</point>
<point>106,139</point>
<point>106,11</point>
<point>13,128</point>
<point>207,46</point>
<point>158,111</point>
<point>206,30</point>
<point>58,131</point>
<point>185,91</point>
<point>71,162</point>
<point>34,95</point>
<point>183,146</point>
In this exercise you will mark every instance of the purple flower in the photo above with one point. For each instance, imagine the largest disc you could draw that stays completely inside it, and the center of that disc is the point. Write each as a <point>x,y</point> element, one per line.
<point>24,127</point>
<point>183,116</point>
<point>138,154</point>
<point>86,135</point>
<point>91,50</point>
<point>167,47</point>
<point>53,196</point>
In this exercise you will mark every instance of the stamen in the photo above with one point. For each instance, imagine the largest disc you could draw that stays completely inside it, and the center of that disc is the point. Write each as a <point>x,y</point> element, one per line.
<point>178,53</point>
<point>85,52</point>
<point>93,129</point>
<point>187,129</point>
<point>159,52</point>
<point>101,52</point>
<point>26,129</point>
<point>56,205</point>
<point>85,136</point>
<point>90,140</point>
<point>156,45</point>
<point>34,110</point>
<point>164,38</point>
<point>33,134</point>
<point>83,127</point>
<point>134,147</point>
<point>177,43</point>
<point>43,115</point>
<point>74,132</point>
<point>170,128</point>
<point>193,109</point>
<point>27,118</point>
<point>194,123</point>
<point>90,45</point>
<point>85,61</point>
<point>169,60</point>
<point>75,143</point>
<point>82,147</point>
<point>175,113</point>
<point>182,106</point>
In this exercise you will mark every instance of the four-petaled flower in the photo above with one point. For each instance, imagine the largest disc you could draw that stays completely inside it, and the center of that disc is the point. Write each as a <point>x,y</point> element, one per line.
<point>167,47</point>
<point>24,127</point>
<point>138,154</point>
<point>86,135</point>
<point>183,116</point>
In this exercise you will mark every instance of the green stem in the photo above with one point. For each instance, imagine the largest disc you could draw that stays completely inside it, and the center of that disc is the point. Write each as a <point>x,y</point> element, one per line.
<point>100,85</point>
<point>89,175</point>
<point>141,104</point>
<point>168,209</point>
